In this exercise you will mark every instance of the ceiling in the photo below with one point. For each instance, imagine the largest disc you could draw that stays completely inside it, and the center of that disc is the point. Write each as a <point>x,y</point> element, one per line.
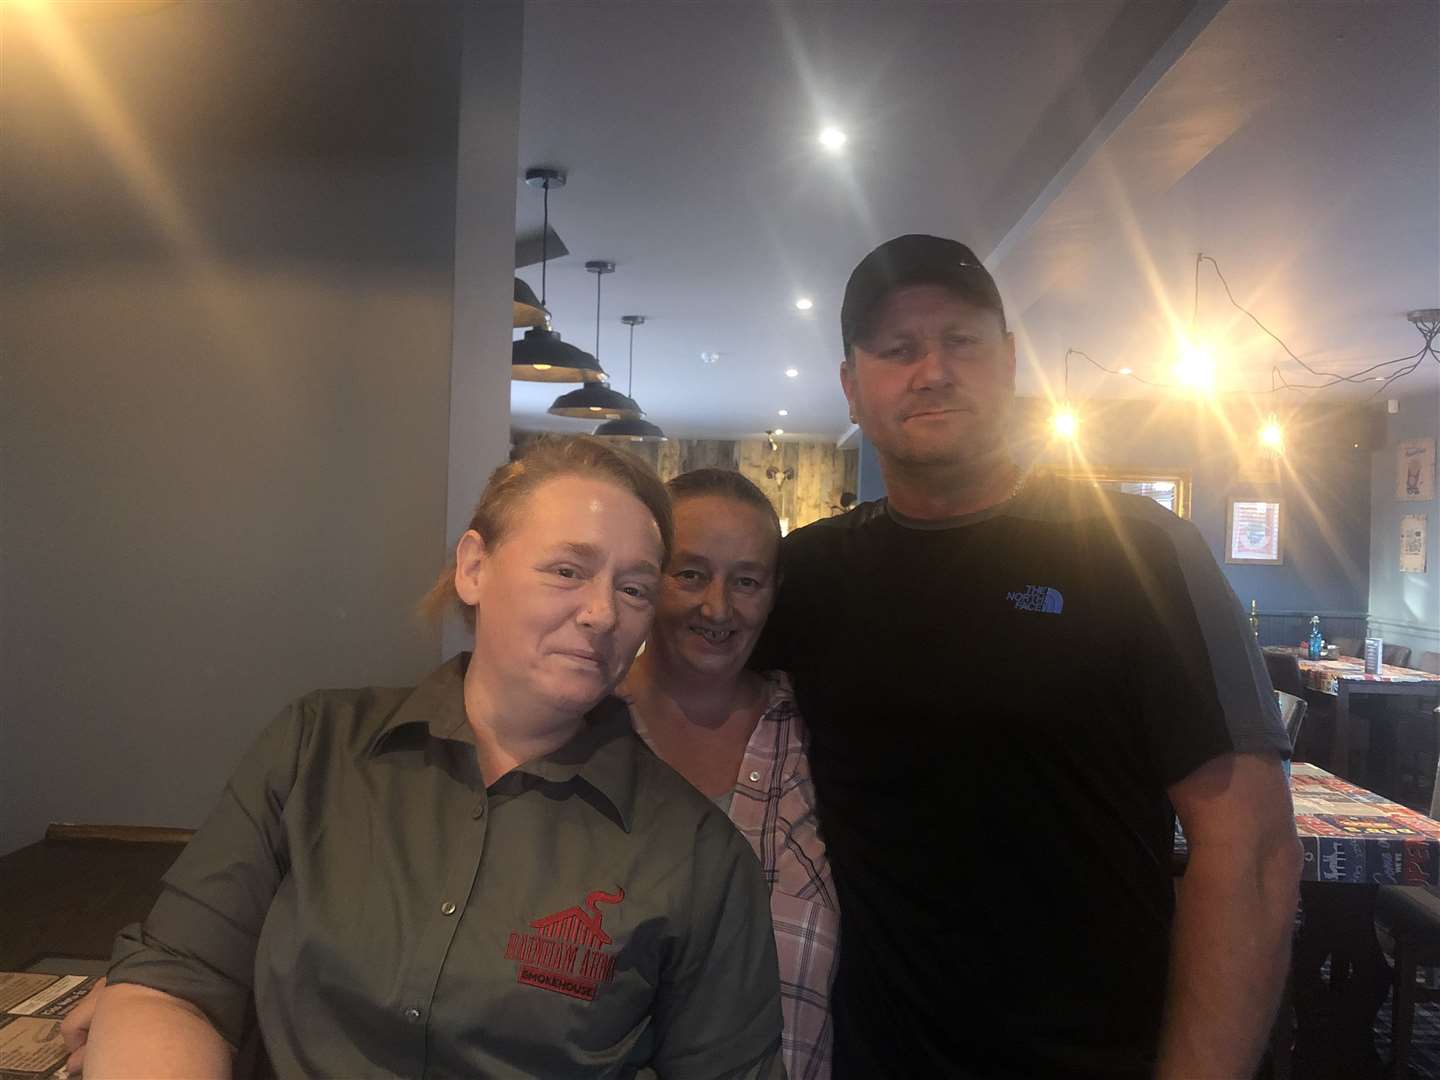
<point>1087,150</point>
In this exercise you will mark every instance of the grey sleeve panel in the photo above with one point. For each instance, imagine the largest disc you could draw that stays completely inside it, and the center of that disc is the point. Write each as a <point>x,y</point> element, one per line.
<point>1235,681</point>
<point>1242,685</point>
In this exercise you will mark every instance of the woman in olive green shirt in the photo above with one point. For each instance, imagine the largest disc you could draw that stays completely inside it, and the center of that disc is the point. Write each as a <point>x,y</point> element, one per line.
<point>485,875</point>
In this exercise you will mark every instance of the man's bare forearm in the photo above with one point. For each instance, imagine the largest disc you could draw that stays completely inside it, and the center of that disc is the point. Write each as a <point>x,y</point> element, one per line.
<point>1229,956</point>
<point>139,1032</point>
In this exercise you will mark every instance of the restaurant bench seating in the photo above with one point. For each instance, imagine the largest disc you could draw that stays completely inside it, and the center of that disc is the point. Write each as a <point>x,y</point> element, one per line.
<point>1412,915</point>
<point>66,896</point>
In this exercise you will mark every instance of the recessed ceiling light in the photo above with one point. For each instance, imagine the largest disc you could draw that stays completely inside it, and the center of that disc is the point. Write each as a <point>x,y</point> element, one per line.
<point>779,431</point>
<point>1126,371</point>
<point>709,357</point>
<point>832,138</point>
<point>792,372</point>
<point>1378,378</point>
<point>783,412</point>
<point>804,304</point>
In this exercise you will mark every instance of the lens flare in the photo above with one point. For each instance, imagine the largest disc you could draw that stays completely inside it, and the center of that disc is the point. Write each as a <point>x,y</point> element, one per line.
<point>1064,423</point>
<point>1272,435</point>
<point>1195,370</point>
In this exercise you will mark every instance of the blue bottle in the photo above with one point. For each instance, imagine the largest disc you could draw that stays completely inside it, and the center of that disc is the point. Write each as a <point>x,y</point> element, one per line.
<point>1317,643</point>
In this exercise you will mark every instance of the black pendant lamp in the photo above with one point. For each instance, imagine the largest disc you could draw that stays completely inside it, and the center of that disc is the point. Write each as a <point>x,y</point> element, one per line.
<point>540,356</point>
<point>595,400</point>
<point>526,309</point>
<point>635,430</point>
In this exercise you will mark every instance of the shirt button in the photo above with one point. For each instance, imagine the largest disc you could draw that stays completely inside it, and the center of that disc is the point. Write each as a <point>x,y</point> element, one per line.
<point>754,777</point>
<point>447,908</point>
<point>412,1015</point>
<point>478,812</point>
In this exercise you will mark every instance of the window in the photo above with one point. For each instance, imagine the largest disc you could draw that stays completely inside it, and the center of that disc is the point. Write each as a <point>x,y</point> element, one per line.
<point>1252,532</point>
<point>1168,487</point>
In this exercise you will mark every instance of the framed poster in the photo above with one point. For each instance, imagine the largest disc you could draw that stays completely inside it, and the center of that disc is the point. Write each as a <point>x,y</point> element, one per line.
<point>1412,544</point>
<point>1415,470</point>
<point>1252,530</point>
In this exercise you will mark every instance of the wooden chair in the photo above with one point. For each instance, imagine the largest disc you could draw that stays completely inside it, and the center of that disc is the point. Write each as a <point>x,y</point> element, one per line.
<point>1429,661</point>
<point>1284,671</point>
<point>1395,655</point>
<point>1349,646</point>
<point>1412,915</point>
<point>1292,713</point>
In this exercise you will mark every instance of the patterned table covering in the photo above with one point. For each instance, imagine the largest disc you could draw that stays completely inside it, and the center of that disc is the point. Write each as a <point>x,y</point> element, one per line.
<point>1353,835</point>
<point>1350,835</point>
<point>1325,675</point>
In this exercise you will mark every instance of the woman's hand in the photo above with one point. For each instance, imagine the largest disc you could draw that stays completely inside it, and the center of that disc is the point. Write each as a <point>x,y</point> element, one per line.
<point>75,1029</point>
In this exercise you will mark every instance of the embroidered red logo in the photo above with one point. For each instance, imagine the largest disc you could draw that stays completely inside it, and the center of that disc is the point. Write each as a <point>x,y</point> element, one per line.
<point>565,953</point>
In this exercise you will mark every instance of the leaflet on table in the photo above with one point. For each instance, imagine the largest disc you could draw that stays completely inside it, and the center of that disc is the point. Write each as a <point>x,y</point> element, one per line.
<point>31,1005</point>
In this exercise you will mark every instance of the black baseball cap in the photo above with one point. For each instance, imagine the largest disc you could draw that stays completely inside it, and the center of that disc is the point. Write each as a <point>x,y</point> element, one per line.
<point>913,259</point>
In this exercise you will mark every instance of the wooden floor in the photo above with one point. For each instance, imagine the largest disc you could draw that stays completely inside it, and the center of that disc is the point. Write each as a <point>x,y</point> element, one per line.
<point>69,897</point>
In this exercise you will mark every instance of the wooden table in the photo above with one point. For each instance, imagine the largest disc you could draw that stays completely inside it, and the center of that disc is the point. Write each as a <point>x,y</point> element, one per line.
<point>1342,678</point>
<point>1354,841</point>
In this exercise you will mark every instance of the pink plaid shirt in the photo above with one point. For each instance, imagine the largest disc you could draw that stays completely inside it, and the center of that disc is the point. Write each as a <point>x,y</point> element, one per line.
<point>773,806</point>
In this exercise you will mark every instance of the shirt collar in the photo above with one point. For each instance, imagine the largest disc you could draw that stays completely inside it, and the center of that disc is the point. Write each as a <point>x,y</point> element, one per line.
<point>602,753</point>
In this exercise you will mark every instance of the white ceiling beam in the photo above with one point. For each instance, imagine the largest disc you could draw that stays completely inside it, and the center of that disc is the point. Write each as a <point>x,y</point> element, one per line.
<point>1175,46</point>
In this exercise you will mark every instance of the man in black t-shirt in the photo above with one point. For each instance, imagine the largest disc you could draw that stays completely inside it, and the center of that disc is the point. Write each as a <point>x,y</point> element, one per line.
<point>1009,686</point>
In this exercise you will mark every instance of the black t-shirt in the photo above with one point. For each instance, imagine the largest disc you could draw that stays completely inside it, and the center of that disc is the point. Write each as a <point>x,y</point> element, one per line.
<point>997,706</point>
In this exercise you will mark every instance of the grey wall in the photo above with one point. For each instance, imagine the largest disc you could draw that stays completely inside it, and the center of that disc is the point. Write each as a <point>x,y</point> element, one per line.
<point>228,280</point>
<point>1404,608</point>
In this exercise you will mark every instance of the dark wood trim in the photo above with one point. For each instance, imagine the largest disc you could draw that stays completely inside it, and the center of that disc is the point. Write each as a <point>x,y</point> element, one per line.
<point>126,834</point>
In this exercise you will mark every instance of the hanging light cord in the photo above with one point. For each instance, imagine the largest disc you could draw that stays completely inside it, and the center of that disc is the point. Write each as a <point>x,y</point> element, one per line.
<point>544,241</point>
<point>597,315</point>
<point>1428,331</point>
<point>630,370</point>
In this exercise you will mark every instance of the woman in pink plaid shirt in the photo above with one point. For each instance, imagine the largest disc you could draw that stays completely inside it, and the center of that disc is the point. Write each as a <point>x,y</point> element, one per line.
<point>736,735</point>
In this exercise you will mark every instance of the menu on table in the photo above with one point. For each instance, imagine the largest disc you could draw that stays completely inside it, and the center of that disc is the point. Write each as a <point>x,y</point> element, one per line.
<point>31,1006</point>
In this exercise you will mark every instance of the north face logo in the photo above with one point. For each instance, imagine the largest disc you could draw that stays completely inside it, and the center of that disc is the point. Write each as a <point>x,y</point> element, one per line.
<point>1040,598</point>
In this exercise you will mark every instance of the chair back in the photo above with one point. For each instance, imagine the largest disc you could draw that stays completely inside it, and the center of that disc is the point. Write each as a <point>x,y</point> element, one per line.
<point>1292,714</point>
<point>1284,672</point>
<point>1395,655</point>
<point>1430,661</point>
<point>1435,791</point>
<point>1349,646</point>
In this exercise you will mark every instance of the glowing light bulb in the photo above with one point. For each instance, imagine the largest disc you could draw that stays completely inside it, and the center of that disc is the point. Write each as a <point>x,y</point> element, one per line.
<point>833,139</point>
<point>804,304</point>
<point>779,431</point>
<point>791,372</point>
<point>783,412</point>
<point>1195,369</point>
<point>596,408</point>
<point>1272,435</point>
<point>1064,422</point>
<point>541,367</point>
<point>1127,371</point>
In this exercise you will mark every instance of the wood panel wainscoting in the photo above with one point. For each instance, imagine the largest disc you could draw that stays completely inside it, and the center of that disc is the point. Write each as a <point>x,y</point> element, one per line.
<point>804,479</point>
<point>66,896</point>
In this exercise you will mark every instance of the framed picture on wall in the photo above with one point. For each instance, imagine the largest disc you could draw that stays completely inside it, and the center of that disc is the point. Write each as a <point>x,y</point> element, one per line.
<point>1415,470</point>
<point>1252,531</point>
<point>1168,487</point>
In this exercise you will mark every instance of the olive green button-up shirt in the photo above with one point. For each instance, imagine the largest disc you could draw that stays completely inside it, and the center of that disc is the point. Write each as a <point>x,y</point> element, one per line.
<point>384,913</point>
